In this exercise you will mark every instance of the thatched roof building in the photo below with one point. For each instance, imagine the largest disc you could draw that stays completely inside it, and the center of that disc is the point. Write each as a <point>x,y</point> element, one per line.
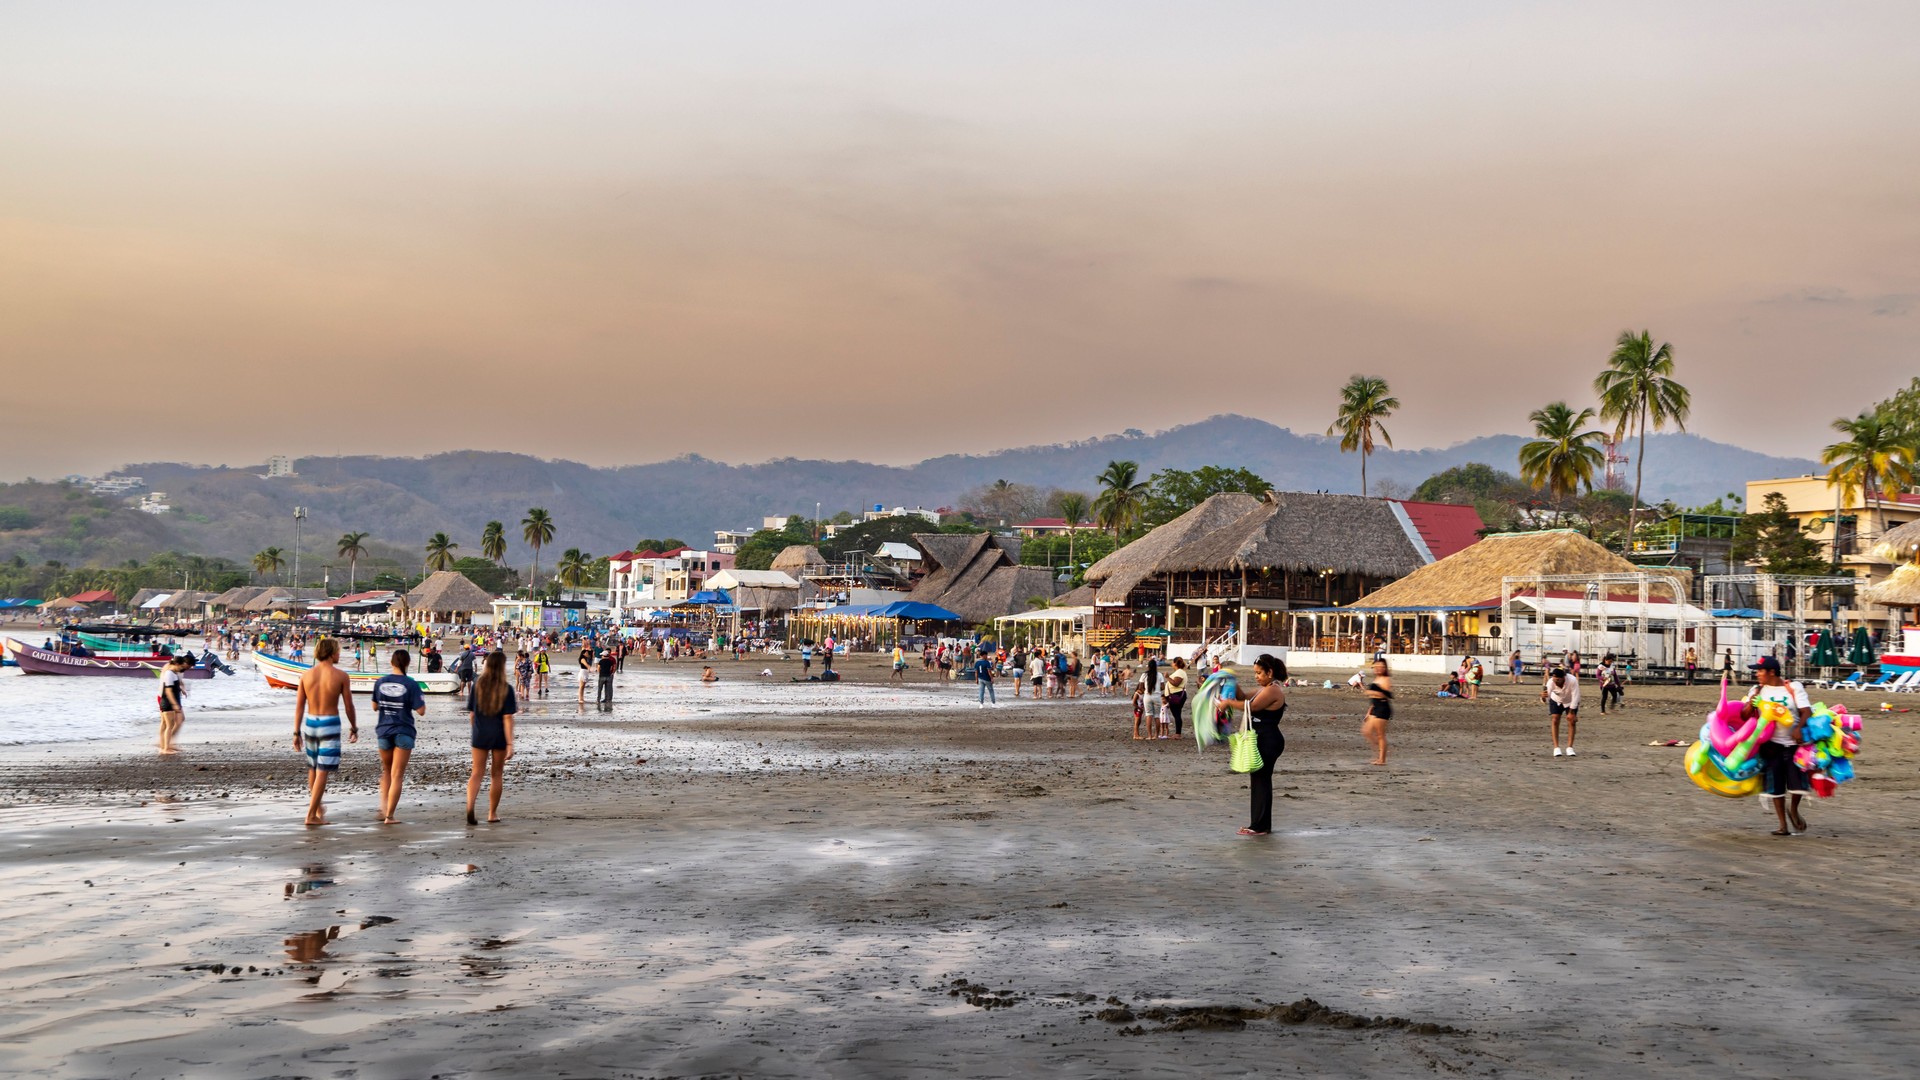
<point>978,576</point>
<point>140,598</point>
<point>233,599</point>
<point>1473,577</point>
<point>1116,576</point>
<point>1901,589</point>
<point>449,593</point>
<point>281,598</point>
<point>798,560</point>
<point>1899,545</point>
<point>1300,531</point>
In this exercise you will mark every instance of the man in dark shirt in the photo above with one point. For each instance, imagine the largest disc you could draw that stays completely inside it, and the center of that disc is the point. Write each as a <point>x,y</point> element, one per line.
<point>399,700</point>
<point>983,672</point>
<point>604,694</point>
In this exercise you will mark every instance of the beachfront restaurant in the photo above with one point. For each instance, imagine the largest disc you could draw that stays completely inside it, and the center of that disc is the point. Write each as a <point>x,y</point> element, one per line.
<point>1541,593</point>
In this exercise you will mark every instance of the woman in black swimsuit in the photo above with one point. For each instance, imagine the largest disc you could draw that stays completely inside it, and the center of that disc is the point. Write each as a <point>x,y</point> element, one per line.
<point>1264,710</point>
<point>1379,711</point>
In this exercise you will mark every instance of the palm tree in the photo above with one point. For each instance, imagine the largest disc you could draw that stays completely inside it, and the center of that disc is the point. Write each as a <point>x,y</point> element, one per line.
<point>1122,496</point>
<point>1364,402</point>
<point>1636,389</point>
<point>493,541</point>
<point>537,530</point>
<point>350,549</point>
<point>1073,507</point>
<point>440,551</point>
<point>574,564</point>
<point>1562,458</point>
<point>1877,457</point>
<point>270,561</point>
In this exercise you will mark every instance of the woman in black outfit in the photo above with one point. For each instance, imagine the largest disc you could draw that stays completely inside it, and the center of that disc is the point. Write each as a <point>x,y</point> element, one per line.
<point>1264,711</point>
<point>1379,711</point>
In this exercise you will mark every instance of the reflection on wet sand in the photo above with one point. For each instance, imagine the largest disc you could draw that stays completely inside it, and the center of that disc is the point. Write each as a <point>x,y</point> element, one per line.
<point>311,947</point>
<point>313,877</point>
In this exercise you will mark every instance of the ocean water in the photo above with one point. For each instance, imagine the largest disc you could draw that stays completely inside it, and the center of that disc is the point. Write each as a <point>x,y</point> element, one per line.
<point>52,708</point>
<point>37,709</point>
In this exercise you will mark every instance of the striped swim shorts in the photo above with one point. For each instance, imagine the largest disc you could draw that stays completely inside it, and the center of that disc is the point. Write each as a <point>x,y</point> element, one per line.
<point>320,735</point>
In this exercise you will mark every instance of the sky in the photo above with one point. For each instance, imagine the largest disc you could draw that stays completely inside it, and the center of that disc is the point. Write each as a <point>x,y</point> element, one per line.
<point>620,232</point>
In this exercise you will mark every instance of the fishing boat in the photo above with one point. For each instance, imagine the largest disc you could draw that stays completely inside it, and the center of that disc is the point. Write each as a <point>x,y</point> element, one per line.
<point>284,674</point>
<point>37,661</point>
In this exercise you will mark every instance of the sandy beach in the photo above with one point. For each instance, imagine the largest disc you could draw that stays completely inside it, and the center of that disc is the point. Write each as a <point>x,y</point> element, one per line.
<point>918,887</point>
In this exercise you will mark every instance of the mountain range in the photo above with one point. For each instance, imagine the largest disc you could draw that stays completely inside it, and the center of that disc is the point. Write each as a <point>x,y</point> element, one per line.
<point>235,511</point>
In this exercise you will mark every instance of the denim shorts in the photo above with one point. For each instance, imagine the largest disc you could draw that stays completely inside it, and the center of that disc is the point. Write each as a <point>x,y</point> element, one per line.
<point>395,742</point>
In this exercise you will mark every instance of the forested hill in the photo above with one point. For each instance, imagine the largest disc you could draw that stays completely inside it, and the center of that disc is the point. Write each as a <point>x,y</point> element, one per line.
<point>400,501</point>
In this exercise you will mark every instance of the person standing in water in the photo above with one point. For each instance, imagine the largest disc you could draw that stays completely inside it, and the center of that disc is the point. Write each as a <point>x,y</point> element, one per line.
<point>1379,693</point>
<point>399,700</point>
<point>490,712</point>
<point>1264,710</point>
<point>173,706</point>
<point>324,692</point>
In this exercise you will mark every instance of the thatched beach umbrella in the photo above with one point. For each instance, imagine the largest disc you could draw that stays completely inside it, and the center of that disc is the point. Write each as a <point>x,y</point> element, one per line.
<point>449,593</point>
<point>1900,590</point>
<point>1900,545</point>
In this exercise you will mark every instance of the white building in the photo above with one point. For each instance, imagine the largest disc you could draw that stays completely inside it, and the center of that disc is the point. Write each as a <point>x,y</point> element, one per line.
<point>279,465</point>
<point>154,502</point>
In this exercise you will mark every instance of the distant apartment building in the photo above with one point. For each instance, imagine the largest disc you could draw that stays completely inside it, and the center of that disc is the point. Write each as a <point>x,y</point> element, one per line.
<point>1052,527</point>
<point>279,465</point>
<point>1847,528</point>
<point>656,579</point>
<point>112,485</point>
<point>880,512</point>
<point>728,541</point>
<point>154,502</point>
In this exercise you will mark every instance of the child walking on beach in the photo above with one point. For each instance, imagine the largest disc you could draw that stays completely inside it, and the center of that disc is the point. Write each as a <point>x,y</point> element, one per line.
<point>490,711</point>
<point>399,700</point>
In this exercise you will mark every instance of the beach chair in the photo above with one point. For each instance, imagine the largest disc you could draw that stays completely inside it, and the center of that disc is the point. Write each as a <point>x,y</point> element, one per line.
<point>1905,684</point>
<point>1851,682</point>
<point>1885,680</point>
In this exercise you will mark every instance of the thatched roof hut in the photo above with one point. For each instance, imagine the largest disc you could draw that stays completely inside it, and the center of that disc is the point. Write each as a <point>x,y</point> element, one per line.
<point>1116,576</point>
<point>235,598</point>
<point>185,600</point>
<point>1473,577</point>
<point>1082,596</point>
<point>280,598</point>
<point>140,598</point>
<point>978,576</point>
<point>448,592</point>
<point>1900,544</point>
<point>1901,589</point>
<point>1304,532</point>
<point>797,560</point>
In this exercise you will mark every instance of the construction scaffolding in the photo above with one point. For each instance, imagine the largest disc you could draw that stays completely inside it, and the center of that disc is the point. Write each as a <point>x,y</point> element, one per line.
<point>1596,593</point>
<point>1723,589</point>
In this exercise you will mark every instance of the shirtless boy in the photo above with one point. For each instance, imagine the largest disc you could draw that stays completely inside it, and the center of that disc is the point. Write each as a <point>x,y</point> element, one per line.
<point>324,690</point>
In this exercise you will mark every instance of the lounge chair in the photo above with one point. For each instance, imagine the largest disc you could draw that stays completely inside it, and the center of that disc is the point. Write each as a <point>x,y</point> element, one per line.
<point>1851,682</point>
<point>1886,679</point>
<point>1905,684</point>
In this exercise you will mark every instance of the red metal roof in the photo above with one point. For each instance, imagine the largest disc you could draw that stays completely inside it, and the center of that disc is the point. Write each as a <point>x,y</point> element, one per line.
<point>97,596</point>
<point>1446,527</point>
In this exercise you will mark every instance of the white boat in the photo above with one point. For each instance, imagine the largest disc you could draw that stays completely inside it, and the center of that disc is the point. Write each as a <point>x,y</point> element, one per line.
<point>284,674</point>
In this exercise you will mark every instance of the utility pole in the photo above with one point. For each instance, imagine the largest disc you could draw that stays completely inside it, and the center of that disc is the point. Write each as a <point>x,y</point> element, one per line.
<point>299,517</point>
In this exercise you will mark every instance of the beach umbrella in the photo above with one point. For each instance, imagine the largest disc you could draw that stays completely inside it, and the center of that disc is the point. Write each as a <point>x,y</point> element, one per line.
<point>1861,654</point>
<point>1824,654</point>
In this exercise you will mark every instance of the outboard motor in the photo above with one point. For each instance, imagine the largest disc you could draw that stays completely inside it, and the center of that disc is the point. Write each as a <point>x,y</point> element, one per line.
<point>212,660</point>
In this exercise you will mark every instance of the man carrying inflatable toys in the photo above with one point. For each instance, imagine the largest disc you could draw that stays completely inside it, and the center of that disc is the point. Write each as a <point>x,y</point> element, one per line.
<point>1783,782</point>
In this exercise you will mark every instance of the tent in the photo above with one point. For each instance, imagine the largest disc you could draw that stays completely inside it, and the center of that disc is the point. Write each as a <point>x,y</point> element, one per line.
<point>709,598</point>
<point>917,611</point>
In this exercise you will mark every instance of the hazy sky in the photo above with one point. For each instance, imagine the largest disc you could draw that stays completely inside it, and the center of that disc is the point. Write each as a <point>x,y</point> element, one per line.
<point>619,232</point>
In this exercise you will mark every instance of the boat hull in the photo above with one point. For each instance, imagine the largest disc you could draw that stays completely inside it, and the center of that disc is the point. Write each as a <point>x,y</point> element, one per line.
<point>35,661</point>
<point>284,674</point>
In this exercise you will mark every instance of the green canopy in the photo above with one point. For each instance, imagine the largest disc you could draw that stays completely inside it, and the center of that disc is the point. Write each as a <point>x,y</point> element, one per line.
<point>1824,654</point>
<point>1861,654</point>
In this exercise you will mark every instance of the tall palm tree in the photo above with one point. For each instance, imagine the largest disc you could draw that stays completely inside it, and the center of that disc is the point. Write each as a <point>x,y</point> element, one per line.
<point>351,548</point>
<point>440,551</point>
<point>1636,389</point>
<point>574,564</point>
<point>493,541</point>
<point>1562,458</point>
<point>537,530</point>
<point>1878,457</point>
<point>270,561</point>
<point>1364,402</point>
<point>1122,498</point>
<point>1073,507</point>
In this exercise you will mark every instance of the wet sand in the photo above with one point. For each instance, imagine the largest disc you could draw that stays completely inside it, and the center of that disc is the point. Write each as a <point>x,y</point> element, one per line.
<point>913,891</point>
